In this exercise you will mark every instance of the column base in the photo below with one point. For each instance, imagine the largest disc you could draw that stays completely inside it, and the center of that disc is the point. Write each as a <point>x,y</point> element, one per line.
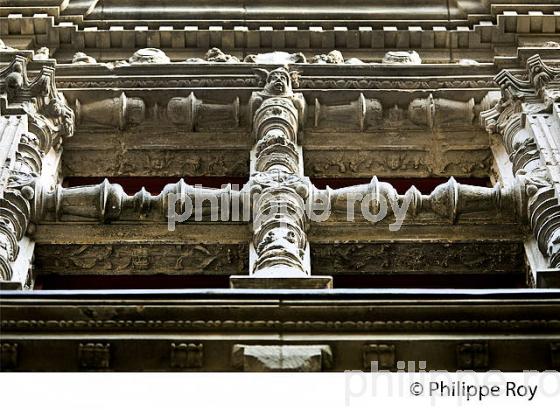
<point>271,282</point>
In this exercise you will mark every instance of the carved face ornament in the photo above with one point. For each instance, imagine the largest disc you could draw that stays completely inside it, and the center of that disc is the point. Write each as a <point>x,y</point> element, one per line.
<point>278,82</point>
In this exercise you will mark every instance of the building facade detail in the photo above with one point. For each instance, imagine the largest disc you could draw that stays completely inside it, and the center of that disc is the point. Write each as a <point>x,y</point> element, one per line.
<point>279,187</point>
<point>35,120</point>
<point>528,123</point>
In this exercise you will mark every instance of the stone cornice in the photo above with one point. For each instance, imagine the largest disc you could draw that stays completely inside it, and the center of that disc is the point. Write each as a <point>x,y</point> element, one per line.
<point>109,26</point>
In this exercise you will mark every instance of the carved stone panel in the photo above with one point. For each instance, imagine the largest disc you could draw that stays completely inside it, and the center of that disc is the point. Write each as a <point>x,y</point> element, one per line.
<point>489,257</point>
<point>555,355</point>
<point>8,356</point>
<point>282,358</point>
<point>94,356</point>
<point>472,356</point>
<point>175,162</point>
<point>120,259</point>
<point>379,356</point>
<point>186,355</point>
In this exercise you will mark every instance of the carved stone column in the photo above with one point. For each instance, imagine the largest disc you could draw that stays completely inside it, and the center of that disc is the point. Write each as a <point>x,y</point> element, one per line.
<point>527,119</point>
<point>279,191</point>
<point>34,120</point>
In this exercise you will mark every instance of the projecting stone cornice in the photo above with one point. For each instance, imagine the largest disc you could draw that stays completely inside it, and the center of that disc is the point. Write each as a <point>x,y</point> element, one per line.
<point>503,28</point>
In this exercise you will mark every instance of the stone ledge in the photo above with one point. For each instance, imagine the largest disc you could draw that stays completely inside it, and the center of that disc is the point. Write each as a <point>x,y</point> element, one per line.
<point>251,282</point>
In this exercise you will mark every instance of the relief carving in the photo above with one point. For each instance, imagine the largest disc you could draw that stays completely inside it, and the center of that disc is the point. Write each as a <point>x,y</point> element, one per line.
<point>473,356</point>
<point>138,259</point>
<point>521,98</point>
<point>187,355</point>
<point>8,356</point>
<point>35,120</point>
<point>425,257</point>
<point>94,356</point>
<point>378,357</point>
<point>283,358</point>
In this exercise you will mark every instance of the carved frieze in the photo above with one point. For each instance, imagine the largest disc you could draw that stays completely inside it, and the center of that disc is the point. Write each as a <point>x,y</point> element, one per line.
<point>329,163</point>
<point>485,257</point>
<point>149,259</point>
<point>306,82</point>
<point>161,163</point>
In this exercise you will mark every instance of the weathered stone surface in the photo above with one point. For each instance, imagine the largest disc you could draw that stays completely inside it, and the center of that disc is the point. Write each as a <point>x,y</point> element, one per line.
<point>251,358</point>
<point>187,355</point>
<point>35,120</point>
<point>386,89</point>
<point>379,357</point>
<point>94,356</point>
<point>473,356</point>
<point>147,259</point>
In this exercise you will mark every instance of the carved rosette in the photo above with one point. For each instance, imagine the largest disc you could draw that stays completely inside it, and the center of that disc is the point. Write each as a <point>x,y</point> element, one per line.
<point>530,147</point>
<point>35,120</point>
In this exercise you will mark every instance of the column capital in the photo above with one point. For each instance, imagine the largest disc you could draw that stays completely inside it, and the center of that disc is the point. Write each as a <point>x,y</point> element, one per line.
<point>50,117</point>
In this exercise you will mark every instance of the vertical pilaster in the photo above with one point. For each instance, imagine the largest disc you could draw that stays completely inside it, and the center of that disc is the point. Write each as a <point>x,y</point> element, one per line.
<point>279,256</point>
<point>34,119</point>
<point>527,121</point>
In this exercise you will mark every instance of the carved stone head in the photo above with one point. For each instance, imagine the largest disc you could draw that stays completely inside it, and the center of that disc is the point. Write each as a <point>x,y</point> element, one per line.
<point>278,81</point>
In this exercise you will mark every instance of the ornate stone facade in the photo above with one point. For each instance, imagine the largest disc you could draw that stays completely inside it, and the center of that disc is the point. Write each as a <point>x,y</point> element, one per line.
<point>295,175</point>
